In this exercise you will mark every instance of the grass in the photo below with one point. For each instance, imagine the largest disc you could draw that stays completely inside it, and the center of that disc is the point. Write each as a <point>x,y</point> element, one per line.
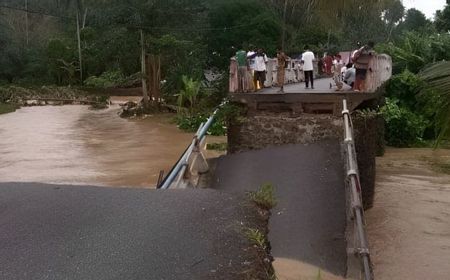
<point>221,147</point>
<point>7,108</point>
<point>256,237</point>
<point>265,200</point>
<point>264,197</point>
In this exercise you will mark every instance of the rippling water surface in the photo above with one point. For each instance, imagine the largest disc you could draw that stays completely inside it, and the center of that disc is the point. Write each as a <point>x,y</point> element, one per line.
<point>75,145</point>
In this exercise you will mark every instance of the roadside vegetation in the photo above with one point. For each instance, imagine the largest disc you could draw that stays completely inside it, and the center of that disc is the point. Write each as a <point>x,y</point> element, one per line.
<point>417,109</point>
<point>7,108</point>
<point>264,199</point>
<point>221,147</point>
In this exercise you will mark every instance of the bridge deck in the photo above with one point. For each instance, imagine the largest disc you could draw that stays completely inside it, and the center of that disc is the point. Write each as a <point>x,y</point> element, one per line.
<point>320,86</point>
<point>298,100</point>
<point>308,225</point>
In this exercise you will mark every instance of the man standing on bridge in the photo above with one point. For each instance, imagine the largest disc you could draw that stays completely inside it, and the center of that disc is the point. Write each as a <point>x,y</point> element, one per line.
<point>282,59</point>
<point>308,67</point>
<point>242,62</point>
<point>260,68</point>
<point>362,59</point>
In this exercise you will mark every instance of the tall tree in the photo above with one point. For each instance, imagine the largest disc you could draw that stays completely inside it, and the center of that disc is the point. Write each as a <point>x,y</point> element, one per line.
<point>415,20</point>
<point>393,15</point>
<point>442,20</point>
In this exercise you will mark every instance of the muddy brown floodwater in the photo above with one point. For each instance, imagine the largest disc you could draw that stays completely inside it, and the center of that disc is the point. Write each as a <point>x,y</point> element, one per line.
<point>409,227</point>
<point>75,145</point>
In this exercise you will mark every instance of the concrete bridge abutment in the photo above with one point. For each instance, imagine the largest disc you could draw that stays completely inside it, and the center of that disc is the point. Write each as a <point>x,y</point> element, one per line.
<point>274,121</point>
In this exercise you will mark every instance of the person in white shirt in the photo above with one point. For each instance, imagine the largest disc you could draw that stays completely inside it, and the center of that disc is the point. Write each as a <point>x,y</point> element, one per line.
<point>337,71</point>
<point>261,60</point>
<point>251,62</point>
<point>308,67</point>
<point>343,70</point>
<point>350,75</point>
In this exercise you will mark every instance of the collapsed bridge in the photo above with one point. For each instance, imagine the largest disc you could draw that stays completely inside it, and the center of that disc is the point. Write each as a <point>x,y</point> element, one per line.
<point>322,163</point>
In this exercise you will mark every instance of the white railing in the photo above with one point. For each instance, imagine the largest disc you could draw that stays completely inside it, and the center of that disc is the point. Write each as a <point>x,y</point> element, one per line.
<point>360,245</point>
<point>192,157</point>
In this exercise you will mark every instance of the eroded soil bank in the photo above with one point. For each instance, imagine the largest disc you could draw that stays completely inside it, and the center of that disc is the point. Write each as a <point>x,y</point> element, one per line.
<point>409,227</point>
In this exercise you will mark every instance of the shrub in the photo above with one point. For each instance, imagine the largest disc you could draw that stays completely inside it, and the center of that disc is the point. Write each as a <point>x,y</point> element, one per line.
<point>404,128</point>
<point>405,87</point>
<point>192,123</point>
<point>106,80</point>
<point>7,108</point>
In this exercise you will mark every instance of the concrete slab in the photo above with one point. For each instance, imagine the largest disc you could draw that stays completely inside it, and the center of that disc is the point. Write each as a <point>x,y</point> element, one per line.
<point>321,85</point>
<point>308,225</point>
<point>298,100</point>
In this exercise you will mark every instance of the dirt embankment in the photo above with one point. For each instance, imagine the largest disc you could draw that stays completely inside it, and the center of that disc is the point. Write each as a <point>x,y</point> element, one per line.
<point>409,227</point>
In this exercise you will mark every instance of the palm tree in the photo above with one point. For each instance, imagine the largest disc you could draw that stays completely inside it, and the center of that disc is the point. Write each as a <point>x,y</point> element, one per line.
<point>437,76</point>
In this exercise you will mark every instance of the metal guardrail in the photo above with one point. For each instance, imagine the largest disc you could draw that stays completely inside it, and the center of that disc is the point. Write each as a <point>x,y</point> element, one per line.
<point>175,176</point>
<point>361,245</point>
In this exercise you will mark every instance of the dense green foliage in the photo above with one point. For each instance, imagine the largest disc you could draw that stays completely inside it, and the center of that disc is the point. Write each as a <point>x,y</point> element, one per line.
<point>189,36</point>
<point>419,107</point>
<point>7,108</point>
<point>404,128</point>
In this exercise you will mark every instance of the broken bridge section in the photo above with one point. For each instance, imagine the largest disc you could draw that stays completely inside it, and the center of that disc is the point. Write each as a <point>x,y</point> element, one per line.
<point>308,225</point>
<point>294,141</point>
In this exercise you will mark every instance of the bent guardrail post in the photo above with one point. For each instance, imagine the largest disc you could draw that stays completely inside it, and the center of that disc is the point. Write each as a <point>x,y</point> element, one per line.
<point>176,175</point>
<point>357,210</point>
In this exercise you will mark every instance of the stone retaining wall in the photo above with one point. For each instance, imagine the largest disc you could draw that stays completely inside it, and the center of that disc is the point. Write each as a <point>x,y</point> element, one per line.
<point>269,129</point>
<point>261,131</point>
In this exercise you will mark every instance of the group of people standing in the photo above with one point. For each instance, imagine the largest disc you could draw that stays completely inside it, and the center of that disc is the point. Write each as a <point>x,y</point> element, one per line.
<point>252,67</point>
<point>355,72</point>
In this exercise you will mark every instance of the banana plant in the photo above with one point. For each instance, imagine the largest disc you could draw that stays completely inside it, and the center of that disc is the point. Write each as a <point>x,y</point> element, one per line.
<point>189,94</point>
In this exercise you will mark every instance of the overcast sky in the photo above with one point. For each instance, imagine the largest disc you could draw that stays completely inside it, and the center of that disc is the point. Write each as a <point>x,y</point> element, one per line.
<point>428,7</point>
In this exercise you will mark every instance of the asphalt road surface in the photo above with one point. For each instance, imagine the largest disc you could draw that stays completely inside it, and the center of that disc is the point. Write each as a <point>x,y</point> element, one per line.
<point>308,224</point>
<point>80,232</point>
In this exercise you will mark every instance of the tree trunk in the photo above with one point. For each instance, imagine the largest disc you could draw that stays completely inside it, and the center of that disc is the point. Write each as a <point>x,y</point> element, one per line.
<point>143,70</point>
<point>84,17</point>
<point>283,39</point>
<point>79,47</point>
<point>26,22</point>
<point>154,75</point>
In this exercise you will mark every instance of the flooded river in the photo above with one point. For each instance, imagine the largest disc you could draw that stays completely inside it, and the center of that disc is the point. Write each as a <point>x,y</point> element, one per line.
<point>408,228</point>
<point>75,145</point>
